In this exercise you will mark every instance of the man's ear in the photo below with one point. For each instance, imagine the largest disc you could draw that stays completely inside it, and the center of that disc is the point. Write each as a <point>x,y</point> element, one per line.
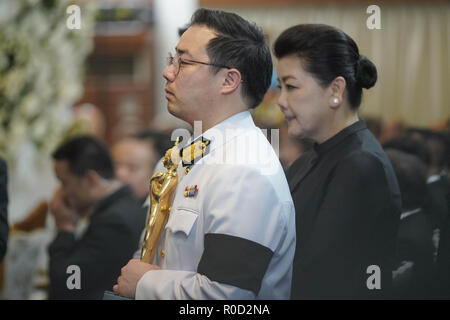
<point>92,177</point>
<point>337,90</point>
<point>231,81</point>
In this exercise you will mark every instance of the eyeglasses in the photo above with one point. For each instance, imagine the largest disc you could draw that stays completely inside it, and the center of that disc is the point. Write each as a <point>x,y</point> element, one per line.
<point>177,62</point>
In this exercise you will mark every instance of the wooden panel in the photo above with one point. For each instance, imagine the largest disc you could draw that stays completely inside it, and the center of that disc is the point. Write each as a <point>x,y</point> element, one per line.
<point>120,44</point>
<point>119,81</point>
<point>127,107</point>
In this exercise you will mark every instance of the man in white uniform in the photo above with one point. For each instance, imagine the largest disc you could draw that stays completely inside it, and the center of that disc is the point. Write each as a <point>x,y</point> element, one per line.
<point>231,231</point>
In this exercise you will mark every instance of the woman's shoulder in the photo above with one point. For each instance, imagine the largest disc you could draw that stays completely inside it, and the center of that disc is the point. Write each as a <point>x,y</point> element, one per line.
<point>364,161</point>
<point>368,167</point>
<point>364,152</point>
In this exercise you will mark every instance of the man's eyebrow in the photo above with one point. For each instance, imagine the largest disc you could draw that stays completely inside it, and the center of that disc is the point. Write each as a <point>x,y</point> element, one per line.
<point>182,51</point>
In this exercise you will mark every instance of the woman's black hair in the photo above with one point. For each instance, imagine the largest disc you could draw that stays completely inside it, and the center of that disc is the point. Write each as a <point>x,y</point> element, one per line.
<point>326,53</point>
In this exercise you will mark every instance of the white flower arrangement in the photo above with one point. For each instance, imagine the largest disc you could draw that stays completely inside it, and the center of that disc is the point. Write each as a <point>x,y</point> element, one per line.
<point>41,70</point>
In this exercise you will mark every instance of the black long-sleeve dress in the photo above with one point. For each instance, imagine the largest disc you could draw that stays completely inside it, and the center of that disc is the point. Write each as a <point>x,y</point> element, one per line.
<point>348,205</point>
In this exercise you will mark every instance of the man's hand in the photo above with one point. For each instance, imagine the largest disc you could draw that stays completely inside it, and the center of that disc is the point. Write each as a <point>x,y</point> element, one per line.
<point>66,217</point>
<point>130,276</point>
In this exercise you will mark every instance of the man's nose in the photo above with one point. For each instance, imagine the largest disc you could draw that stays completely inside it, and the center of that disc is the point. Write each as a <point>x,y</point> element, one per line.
<point>169,73</point>
<point>122,173</point>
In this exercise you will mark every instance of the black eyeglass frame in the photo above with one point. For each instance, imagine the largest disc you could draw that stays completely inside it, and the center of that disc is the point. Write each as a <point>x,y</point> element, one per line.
<point>171,60</point>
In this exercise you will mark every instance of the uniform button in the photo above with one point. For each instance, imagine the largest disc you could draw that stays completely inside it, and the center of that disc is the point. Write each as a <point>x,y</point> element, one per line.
<point>163,253</point>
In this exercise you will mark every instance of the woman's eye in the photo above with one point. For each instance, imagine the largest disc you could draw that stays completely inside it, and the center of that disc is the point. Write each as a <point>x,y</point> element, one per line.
<point>287,86</point>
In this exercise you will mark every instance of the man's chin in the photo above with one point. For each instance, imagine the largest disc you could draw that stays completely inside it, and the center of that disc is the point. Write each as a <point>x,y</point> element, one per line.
<point>172,109</point>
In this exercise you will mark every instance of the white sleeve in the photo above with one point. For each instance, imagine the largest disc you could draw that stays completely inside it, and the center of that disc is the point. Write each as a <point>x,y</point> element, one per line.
<point>184,285</point>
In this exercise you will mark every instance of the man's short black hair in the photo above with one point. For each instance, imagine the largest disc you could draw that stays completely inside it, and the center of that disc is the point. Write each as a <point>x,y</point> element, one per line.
<point>159,140</point>
<point>407,144</point>
<point>85,153</point>
<point>241,45</point>
<point>437,144</point>
<point>411,174</point>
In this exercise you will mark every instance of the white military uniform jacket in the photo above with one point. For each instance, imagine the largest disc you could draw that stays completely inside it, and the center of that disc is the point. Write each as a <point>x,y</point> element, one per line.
<point>235,238</point>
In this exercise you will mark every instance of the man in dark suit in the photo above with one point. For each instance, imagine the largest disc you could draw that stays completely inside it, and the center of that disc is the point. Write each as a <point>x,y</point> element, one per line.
<point>438,186</point>
<point>85,264</point>
<point>443,260</point>
<point>413,273</point>
<point>4,228</point>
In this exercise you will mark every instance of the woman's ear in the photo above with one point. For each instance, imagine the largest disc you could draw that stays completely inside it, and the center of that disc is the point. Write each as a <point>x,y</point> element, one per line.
<point>231,81</point>
<point>337,90</point>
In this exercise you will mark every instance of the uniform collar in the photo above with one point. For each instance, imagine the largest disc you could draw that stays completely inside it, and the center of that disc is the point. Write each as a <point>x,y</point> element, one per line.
<point>218,136</point>
<point>227,129</point>
<point>310,158</point>
<point>339,137</point>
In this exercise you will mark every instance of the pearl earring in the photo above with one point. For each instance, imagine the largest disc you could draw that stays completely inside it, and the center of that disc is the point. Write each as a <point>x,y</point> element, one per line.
<point>335,100</point>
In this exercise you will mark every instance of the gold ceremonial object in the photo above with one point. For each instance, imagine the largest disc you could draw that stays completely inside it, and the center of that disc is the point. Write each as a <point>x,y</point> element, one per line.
<point>196,150</point>
<point>162,191</point>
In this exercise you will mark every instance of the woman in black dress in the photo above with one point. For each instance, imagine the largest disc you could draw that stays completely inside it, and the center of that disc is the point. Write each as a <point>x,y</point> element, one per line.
<point>345,192</point>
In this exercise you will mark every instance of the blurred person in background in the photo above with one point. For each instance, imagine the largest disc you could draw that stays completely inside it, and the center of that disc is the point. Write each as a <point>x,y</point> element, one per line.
<point>114,220</point>
<point>437,178</point>
<point>345,191</point>
<point>407,144</point>
<point>437,144</point>
<point>135,159</point>
<point>87,119</point>
<point>435,206</point>
<point>374,125</point>
<point>390,128</point>
<point>414,272</point>
<point>442,283</point>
